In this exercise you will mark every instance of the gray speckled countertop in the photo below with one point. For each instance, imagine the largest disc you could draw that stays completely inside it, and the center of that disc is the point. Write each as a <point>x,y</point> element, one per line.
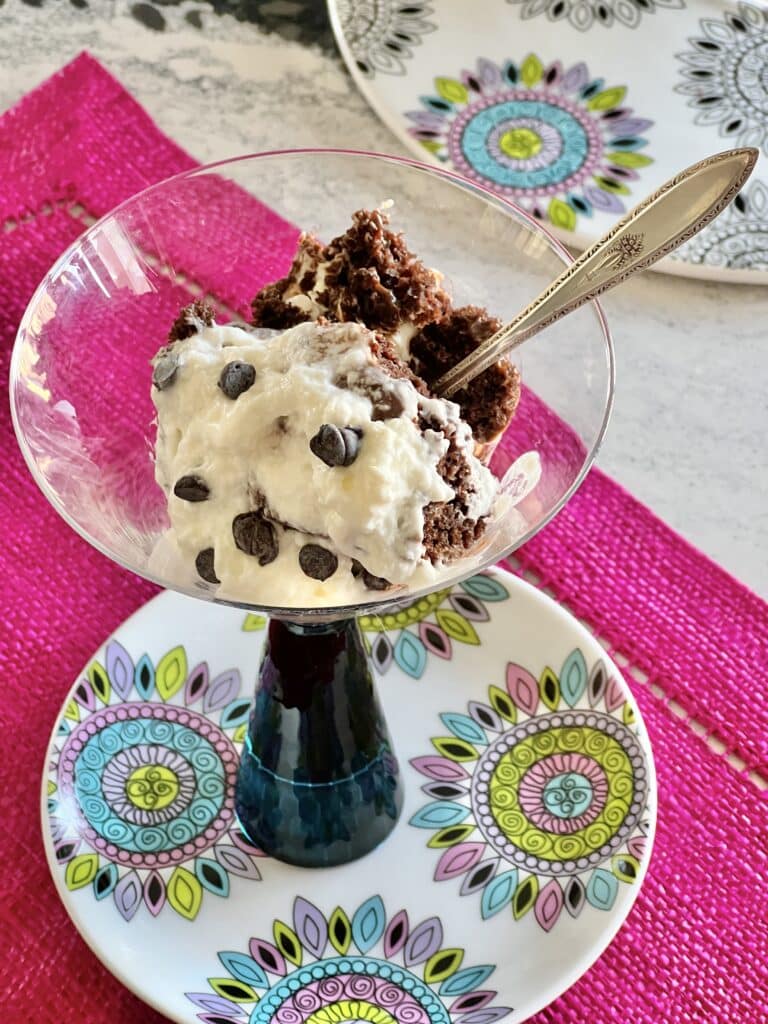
<point>688,435</point>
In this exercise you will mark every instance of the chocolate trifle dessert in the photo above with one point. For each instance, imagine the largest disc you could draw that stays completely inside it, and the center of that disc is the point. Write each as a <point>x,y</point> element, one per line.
<point>305,458</point>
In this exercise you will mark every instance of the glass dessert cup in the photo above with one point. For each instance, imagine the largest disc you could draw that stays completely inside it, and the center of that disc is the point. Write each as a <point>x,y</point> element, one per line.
<point>319,782</point>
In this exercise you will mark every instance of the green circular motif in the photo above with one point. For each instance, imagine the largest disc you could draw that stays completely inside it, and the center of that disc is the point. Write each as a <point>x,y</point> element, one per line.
<point>520,143</point>
<point>521,832</point>
<point>152,787</point>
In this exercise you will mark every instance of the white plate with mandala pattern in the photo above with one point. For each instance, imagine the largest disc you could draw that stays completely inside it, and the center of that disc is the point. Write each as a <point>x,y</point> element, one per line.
<point>527,826</point>
<point>577,109</point>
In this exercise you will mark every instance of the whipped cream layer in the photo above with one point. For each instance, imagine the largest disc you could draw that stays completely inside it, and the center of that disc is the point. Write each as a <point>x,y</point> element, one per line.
<point>264,455</point>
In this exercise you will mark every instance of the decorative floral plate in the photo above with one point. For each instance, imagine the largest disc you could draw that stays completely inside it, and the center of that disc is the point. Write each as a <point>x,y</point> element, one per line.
<point>577,109</point>
<point>525,835</point>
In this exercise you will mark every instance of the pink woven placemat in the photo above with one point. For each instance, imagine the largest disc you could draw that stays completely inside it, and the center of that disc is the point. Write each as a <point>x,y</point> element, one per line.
<point>694,947</point>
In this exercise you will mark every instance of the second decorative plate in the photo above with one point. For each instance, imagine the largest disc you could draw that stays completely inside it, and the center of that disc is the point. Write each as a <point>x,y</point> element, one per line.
<point>525,835</point>
<point>577,109</point>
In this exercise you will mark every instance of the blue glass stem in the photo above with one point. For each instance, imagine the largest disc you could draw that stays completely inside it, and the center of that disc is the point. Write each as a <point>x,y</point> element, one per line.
<point>318,783</point>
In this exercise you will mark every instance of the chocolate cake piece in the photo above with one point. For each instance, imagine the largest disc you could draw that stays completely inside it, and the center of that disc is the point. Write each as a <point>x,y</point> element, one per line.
<point>190,319</point>
<point>490,400</point>
<point>369,275</point>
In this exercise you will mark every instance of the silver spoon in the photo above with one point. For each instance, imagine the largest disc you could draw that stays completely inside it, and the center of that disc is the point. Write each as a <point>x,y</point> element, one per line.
<point>667,218</point>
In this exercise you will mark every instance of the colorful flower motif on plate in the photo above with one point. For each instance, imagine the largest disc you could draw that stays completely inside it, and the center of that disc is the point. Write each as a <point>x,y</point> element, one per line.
<point>583,14</point>
<point>430,626</point>
<point>141,784</point>
<point>339,968</point>
<point>726,75</point>
<point>538,795</point>
<point>381,34</point>
<point>559,142</point>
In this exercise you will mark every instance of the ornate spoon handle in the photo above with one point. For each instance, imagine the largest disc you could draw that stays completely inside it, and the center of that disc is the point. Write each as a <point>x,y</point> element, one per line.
<point>667,218</point>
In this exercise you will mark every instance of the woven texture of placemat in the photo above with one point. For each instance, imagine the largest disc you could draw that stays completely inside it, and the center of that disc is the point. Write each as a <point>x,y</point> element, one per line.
<point>695,945</point>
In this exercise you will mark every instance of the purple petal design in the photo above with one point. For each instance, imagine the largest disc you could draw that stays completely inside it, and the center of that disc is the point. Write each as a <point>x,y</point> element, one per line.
<point>382,653</point>
<point>424,941</point>
<point>485,716</point>
<point>236,862</point>
<point>479,877</point>
<point>553,73</point>
<point>57,829</point>
<point>472,1001</point>
<point>625,173</point>
<point>127,895</point>
<point>66,849</point>
<point>244,844</point>
<point>605,201</point>
<point>469,607</point>
<point>488,75</point>
<point>216,1018</point>
<point>522,688</point>
<point>213,1003</point>
<point>425,119</point>
<point>614,695</point>
<point>424,134</point>
<point>623,126</point>
<point>575,78</point>
<point>488,1016</point>
<point>597,683</point>
<point>458,859</point>
<point>445,790</point>
<point>575,897</point>
<point>636,846</point>
<point>472,82</point>
<point>310,926</point>
<point>549,904</point>
<point>222,690</point>
<point>435,639</point>
<point>154,893</point>
<point>440,768</point>
<point>617,114</point>
<point>85,696</point>
<point>396,934</point>
<point>267,956</point>
<point>197,683</point>
<point>120,668</point>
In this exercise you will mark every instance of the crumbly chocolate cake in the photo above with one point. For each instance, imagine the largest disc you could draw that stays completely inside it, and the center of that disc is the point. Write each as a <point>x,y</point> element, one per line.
<point>488,403</point>
<point>369,275</point>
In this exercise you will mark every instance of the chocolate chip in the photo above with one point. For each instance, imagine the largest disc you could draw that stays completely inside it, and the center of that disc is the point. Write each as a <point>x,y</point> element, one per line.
<point>204,566</point>
<point>317,562</point>
<point>387,406</point>
<point>336,446</point>
<point>281,424</point>
<point>236,378</point>
<point>372,582</point>
<point>255,536</point>
<point>164,372</point>
<point>191,488</point>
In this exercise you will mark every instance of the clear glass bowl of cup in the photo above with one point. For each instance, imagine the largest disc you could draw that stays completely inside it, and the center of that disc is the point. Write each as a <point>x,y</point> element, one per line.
<point>81,403</point>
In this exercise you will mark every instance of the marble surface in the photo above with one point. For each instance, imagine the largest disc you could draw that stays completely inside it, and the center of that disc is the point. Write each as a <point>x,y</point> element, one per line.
<point>688,435</point>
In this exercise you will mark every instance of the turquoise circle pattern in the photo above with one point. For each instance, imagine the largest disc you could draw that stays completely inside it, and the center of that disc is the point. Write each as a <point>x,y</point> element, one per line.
<point>204,807</point>
<point>476,150</point>
<point>568,795</point>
